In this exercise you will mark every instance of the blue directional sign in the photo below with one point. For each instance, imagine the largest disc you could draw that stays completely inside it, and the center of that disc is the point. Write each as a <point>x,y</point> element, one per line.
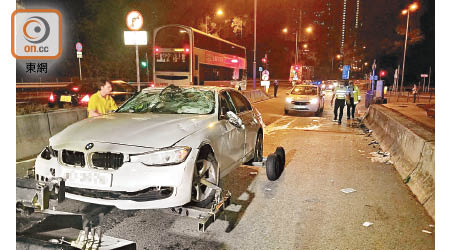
<point>346,72</point>
<point>260,69</point>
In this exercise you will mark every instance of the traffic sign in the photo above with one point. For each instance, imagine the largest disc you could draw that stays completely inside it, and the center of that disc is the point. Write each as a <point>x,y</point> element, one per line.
<point>260,69</point>
<point>424,75</point>
<point>373,78</point>
<point>79,47</point>
<point>265,75</point>
<point>346,72</point>
<point>134,20</point>
<point>79,54</point>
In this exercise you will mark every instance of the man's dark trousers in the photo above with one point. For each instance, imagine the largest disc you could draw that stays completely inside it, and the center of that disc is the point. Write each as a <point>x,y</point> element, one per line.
<point>351,105</point>
<point>275,90</point>
<point>339,103</point>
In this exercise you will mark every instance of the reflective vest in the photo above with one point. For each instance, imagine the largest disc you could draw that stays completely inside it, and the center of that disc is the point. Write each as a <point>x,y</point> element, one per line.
<point>341,92</point>
<point>354,92</point>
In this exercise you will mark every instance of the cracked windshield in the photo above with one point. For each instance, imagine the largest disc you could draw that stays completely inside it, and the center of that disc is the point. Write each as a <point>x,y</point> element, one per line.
<point>171,100</point>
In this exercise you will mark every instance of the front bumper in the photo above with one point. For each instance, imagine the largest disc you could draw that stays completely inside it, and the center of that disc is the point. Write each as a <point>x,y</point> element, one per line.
<point>303,108</point>
<point>132,186</point>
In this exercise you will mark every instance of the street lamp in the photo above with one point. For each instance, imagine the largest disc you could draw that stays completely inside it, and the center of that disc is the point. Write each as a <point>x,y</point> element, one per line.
<point>309,30</point>
<point>411,7</point>
<point>338,57</point>
<point>219,12</point>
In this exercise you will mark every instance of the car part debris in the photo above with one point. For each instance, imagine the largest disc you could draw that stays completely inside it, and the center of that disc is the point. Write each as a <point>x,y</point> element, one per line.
<point>253,173</point>
<point>367,224</point>
<point>373,142</point>
<point>427,232</point>
<point>407,179</point>
<point>348,190</point>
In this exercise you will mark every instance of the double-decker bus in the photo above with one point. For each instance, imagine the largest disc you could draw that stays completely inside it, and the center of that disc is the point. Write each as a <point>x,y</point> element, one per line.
<point>186,56</point>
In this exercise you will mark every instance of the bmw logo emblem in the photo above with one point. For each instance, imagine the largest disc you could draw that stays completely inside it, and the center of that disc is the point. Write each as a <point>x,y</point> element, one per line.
<point>89,146</point>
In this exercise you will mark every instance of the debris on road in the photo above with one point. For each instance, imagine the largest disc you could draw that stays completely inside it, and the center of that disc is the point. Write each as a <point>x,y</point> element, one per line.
<point>348,190</point>
<point>431,225</point>
<point>382,157</point>
<point>367,224</point>
<point>268,189</point>
<point>373,142</point>
<point>426,231</point>
<point>361,151</point>
<point>253,173</point>
<point>406,180</point>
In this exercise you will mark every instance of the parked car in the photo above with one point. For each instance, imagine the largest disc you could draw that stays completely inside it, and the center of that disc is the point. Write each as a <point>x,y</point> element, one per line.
<point>157,150</point>
<point>79,93</point>
<point>305,98</point>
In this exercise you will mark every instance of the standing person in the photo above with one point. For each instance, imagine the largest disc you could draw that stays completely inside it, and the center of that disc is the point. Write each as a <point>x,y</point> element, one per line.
<point>275,88</point>
<point>101,102</point>
<point>355,97</point>
<point>414,91</point>
<point>340,92</point>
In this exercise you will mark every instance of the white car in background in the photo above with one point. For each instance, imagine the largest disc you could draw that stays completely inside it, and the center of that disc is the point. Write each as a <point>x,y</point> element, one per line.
<point>305,98</point>
<point>157,150</point>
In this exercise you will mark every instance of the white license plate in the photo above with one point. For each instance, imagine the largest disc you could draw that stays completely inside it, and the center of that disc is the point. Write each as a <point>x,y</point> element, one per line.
<point>299,107</point>
<point>78,177</point>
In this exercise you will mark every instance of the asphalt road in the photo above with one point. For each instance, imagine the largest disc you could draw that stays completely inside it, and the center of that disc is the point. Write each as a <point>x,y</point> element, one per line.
<point>304,208</point>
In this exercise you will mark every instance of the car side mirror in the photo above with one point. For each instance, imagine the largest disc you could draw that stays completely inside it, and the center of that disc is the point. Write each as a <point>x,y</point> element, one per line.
<point>234,119</point>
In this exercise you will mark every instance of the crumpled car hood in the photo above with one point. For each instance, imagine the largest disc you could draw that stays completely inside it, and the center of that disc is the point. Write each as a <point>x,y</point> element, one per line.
<point>144,130</point>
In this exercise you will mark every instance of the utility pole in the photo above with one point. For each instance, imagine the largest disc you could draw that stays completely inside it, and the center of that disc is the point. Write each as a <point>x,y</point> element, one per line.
<point>254,48</point>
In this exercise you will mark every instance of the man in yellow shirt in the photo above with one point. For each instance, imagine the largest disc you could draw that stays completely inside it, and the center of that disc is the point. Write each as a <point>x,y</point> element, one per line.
<point>101,102</point>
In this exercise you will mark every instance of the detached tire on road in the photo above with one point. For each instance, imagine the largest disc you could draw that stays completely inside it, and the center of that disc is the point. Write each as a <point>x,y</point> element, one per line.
<point>280,152</point>
<point>273,167</point>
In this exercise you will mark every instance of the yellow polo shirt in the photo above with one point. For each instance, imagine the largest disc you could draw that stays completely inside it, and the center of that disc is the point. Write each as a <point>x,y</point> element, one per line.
<point>101,104</point>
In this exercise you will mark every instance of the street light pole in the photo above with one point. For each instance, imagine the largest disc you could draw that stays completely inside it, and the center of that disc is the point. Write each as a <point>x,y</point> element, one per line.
<point>404,52</point>
<point>254,49</point>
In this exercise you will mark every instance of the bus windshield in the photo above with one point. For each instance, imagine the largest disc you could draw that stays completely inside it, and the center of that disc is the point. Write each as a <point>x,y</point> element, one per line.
<point>172,43</point>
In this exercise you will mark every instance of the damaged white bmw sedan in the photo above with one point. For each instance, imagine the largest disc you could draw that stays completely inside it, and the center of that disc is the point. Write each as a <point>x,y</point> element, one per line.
<point>157,150</point>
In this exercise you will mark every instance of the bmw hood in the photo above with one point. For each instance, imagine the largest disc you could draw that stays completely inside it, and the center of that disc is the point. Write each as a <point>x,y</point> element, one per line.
<point>143,130</point>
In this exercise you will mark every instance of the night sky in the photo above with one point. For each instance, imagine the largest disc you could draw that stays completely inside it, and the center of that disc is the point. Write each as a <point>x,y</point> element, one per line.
<point>380,19</point>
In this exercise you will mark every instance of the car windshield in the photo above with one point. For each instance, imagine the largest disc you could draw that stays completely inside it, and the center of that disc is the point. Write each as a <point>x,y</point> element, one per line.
<point>171,100</point>
<point>304,90</point>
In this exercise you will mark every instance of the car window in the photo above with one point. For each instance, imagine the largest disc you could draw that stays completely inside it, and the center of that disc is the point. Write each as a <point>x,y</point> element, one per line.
<point>239,102</point>
<point>304,90</point>
<point>225,104</point>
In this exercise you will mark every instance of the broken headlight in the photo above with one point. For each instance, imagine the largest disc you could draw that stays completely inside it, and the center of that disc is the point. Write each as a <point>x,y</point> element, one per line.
<point>48,153</point>
<point>167,156</point>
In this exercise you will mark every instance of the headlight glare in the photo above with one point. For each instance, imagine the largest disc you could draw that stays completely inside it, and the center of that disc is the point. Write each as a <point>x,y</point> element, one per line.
<point>166,156</point>
<point>289,99</point>
<point>314,100</point>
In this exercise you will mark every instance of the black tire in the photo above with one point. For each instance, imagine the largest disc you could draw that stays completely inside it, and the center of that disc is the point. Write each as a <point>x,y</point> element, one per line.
<point>280,152</point>
<point>286,111</point>
<point>202,195</point>
<point>273,167</point>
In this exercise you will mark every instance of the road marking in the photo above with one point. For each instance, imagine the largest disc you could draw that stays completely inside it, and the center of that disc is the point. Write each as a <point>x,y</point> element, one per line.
<point>18,162</point>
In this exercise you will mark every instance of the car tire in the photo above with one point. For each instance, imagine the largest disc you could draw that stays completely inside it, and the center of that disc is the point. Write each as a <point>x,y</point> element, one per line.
<point>205,167</point>
<point>273,167</point>
<point>259,146</point>
<point>281,153</point>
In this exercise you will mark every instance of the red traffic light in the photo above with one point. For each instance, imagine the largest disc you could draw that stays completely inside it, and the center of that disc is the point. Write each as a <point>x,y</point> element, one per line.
<point>264,60</point>
<point>156,50</point>
<point>296,67</point>
<point>382,73</point>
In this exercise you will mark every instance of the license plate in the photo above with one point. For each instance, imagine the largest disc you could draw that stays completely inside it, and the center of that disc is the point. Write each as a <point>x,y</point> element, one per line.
<point>65,98</point>
<point>299,107</point>
<point>78,177</point>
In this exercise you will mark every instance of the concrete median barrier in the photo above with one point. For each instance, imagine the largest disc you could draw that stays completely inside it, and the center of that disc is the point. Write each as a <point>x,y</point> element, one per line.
<point>412,150</point>
<point>34,130</point>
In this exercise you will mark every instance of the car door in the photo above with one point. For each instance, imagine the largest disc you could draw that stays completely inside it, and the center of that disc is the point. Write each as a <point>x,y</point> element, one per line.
<point>231,138</point>
<point>245,112</point>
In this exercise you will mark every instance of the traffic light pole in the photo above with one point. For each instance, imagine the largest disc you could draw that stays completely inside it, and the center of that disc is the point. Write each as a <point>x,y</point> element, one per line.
<point>254,50</point>
<point>146,59</point>
<point>137,69</point>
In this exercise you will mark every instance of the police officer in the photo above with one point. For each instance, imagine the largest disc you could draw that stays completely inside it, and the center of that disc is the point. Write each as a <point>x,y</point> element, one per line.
<point>340,92</point>
<point>355,97</point>
<point>275,88</point>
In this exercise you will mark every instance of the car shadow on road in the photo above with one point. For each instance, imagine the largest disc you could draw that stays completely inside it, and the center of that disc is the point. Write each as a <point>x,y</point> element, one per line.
<point>238,183</point>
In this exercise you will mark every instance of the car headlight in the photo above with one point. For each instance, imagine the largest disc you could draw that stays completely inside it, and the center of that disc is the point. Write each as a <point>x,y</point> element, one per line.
<point>289,99</point>
<point>166,156</point>
<point>314,100</point>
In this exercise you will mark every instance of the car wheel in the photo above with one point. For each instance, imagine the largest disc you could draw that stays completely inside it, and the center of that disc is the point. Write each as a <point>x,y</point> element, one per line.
<point>286,111</point>
<point>273,167</point>
<point>259,145</point>
<point>206,168</point>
